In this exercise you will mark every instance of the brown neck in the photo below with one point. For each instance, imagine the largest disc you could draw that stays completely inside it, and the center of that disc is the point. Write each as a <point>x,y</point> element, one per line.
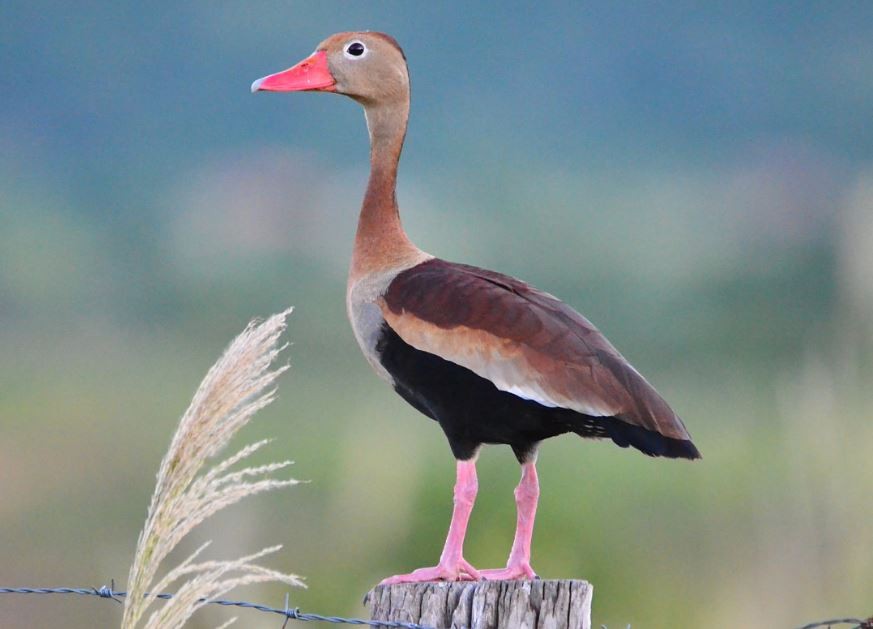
<point>380,242</point>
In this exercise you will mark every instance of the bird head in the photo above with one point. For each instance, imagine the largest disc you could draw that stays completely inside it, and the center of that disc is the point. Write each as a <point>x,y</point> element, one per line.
<point>367,66</point>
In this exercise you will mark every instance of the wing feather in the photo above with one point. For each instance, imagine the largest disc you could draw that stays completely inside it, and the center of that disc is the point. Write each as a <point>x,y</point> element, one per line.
<point>523,340</point>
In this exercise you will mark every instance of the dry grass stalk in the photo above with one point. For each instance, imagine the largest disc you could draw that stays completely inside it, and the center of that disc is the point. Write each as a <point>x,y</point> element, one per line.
<point>236,387</point>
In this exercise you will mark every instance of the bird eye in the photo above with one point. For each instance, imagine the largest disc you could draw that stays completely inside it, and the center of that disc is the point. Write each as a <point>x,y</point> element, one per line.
<point>355,49</point>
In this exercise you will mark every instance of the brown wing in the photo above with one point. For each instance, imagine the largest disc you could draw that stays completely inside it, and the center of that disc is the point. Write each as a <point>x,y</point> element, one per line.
<point>523,340</point>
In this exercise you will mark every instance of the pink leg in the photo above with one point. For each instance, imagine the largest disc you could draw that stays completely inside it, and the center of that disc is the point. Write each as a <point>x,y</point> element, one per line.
<point>526,496</point>
<point>452,565</point>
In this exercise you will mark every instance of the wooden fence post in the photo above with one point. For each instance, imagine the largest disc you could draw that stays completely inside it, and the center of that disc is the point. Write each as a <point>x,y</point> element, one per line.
<point>538,604</point>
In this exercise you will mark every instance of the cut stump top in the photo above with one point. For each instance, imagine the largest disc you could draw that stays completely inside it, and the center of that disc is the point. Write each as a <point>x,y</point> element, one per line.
<point>537,604</point>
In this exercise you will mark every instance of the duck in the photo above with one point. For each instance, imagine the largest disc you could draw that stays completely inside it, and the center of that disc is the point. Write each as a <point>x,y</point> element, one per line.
<point>488,357</point>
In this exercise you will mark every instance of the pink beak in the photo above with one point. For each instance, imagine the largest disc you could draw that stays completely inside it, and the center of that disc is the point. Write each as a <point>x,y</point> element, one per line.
<point>310,74</point>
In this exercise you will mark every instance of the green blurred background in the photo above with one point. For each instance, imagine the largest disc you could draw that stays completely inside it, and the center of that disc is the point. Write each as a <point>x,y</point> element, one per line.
<point>696,178</point>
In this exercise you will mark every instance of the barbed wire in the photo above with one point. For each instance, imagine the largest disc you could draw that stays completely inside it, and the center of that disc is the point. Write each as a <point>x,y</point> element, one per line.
<point>857,622</point>
<point>290,613</point>
<point>294,613</point>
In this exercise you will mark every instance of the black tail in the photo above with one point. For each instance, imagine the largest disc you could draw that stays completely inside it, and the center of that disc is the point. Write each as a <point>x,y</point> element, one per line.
<point>646,441</point>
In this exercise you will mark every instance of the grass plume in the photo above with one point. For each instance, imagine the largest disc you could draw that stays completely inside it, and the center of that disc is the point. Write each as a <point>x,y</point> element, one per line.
<point>235,388</point>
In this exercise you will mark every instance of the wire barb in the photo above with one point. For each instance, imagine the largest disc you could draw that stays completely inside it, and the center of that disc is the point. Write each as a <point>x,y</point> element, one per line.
<point>106,591</point>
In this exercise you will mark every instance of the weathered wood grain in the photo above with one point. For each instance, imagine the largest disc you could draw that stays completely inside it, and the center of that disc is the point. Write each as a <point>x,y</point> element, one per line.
<point>539,604</point>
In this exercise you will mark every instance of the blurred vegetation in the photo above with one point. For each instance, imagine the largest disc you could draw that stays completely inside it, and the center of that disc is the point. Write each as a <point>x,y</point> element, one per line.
<point>697,180</point>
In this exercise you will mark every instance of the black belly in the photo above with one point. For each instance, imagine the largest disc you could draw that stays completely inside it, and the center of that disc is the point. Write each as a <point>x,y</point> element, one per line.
<point>470,409</point>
